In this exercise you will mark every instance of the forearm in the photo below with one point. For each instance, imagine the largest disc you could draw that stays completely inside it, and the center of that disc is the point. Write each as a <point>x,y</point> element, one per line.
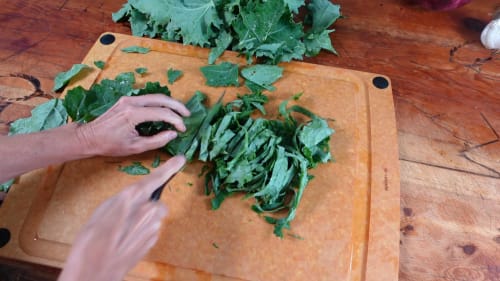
<point>112,134</point>
<point>23,153</point>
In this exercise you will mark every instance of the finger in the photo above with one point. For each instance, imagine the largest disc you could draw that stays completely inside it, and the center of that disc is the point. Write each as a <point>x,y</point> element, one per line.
<point>139,248</point>
<point>159,100</point>
<point>145,225</point>
<point>149,215</point>
<point>147,185</point>
<point>155,141</point>
<point>145,114</point>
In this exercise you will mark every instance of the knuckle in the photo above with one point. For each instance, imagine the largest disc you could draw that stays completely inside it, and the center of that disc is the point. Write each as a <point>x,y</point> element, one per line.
<point>123,100</point>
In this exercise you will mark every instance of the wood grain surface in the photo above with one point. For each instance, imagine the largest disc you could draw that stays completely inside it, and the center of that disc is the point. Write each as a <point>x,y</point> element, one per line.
<point>446,90</point>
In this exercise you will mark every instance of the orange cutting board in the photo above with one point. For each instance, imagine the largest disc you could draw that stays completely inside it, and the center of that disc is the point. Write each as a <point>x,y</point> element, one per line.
<point>348,220</point>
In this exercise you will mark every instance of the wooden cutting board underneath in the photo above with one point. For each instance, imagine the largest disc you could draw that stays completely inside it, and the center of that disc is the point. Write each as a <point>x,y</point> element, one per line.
<point>348,220</point>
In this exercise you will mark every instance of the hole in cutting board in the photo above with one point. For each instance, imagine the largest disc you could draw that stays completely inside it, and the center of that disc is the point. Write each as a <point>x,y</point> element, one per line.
<point>107,39</point>
<point>4,237</point>
<point>380,82</point>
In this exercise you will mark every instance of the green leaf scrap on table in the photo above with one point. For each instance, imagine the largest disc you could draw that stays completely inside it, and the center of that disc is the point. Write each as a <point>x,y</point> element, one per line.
<point>221,75</point>
<point>136,169</point>
<point>63,78</point>
<point>45,116</point>
<point>99,64</point>
<point>136,49</point>
<point>141,70</point>
<point>269,30</point>
<point>173,75</point>
<point>261,77</point>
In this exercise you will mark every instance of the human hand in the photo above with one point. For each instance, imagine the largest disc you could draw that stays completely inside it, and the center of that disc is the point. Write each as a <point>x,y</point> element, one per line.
<point>114,133</point>
<point>121,231</point>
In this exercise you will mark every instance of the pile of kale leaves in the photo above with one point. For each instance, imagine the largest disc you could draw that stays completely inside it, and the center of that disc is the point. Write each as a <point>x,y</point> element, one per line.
<point>270,29</point>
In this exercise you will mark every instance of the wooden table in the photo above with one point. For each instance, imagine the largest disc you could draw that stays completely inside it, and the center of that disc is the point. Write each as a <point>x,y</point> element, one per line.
<point>446,90</point>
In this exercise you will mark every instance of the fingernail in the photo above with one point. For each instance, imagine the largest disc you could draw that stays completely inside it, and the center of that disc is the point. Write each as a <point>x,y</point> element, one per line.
<point>172,135</point>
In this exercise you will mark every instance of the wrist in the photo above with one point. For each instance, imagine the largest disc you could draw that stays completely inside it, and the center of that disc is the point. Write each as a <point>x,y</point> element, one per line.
<point>82,135</point>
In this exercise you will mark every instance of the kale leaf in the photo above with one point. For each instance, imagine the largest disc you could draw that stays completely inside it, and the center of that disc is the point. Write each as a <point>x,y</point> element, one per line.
<point>99,64</point>
<point>45,116</point>
<point>221,75</point>
<point>135,169</point>
<point>48,115</point>
<point>260,77</point>
<point>173,75</point>
<point>156,161</point>
<point>266,29</point>
<point>141,70</point>
<point>222,42</point>
<point>63,78</point>
<point>323,13</point>
<point>4,187</point>
<point>136,49</point>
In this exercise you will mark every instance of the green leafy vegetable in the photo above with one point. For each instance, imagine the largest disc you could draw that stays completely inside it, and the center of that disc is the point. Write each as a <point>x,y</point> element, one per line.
<point>135,169</point>
<point>85,105</point>
<point>322,13</point>
<point>267,160</point>
<point>156,161</point>
<point>99,64</point>
<point>266,29</point>
<point>136,49</point>
<point>297,96</point>
<point>141,70</point>
<point>173,75</point>
<point>45,116</point>
<point>63,78</point>
<point>221,43</point>
<point>121,14</point>
<point>260,77</point>
<point>4,187</point>
<point>294,5</point>
<point>221,75</point>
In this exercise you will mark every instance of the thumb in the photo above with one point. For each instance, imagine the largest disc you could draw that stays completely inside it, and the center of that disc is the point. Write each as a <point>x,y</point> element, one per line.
<point>156,141</point>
